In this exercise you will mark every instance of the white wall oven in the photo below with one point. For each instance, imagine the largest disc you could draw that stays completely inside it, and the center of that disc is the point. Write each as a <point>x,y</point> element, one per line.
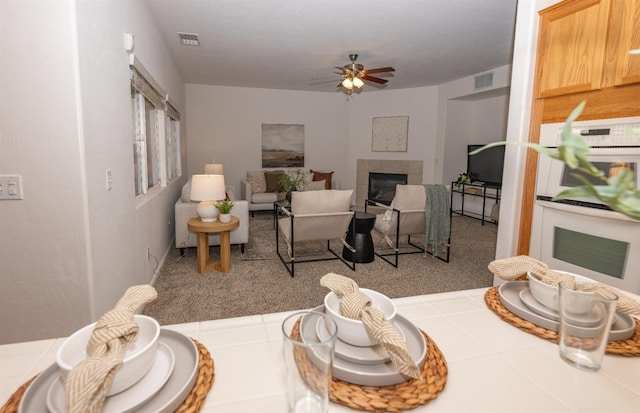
<point>584,236</point>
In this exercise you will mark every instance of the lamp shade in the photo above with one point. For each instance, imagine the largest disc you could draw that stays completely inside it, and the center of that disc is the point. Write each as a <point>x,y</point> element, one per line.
<point>207,188</point>
<point>213,169</point>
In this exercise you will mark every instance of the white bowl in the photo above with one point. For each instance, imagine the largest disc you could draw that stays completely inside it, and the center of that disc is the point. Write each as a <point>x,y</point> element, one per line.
<point>138,356</point>
<point>548,295</point>
<point>353,331</point>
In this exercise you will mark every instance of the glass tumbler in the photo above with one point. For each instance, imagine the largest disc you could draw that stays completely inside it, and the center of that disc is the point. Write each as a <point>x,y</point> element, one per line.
<point>585,322</point>
<point>308,360</point>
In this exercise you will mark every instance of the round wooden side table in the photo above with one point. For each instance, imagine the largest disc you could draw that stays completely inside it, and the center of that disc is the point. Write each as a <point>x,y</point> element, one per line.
<point>202,230</point>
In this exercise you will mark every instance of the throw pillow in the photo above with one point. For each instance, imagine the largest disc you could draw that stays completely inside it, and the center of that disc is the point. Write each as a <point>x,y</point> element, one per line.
<point>314,186</point>
<point>323,176</point>
<point>257,181</point>
<point>273,181</point>
<point>231,195</point>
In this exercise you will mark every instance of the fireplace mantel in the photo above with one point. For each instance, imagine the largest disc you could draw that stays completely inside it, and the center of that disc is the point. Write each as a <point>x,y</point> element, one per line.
<point>413,169</point>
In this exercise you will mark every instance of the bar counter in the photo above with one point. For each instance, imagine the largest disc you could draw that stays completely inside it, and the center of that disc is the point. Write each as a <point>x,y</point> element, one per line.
<point>492,366</point>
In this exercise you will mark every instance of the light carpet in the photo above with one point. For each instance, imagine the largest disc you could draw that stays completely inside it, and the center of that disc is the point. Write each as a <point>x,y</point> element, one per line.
<point>258,282</point>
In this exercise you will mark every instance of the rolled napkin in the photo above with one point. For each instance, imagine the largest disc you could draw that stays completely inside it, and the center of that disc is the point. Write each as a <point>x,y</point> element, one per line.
<point>357,306</point>
<point>88,382</point>
<point>511,268</point>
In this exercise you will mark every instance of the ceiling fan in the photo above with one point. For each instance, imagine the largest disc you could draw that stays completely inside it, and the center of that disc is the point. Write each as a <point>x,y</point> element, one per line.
<point>354,73</point>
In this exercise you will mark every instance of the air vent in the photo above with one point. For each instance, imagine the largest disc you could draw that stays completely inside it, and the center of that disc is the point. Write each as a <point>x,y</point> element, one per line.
<point>484,80</point>
<point>189,39</point>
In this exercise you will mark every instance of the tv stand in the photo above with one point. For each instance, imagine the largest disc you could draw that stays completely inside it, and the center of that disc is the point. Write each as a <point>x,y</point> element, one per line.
<point>486,192</point>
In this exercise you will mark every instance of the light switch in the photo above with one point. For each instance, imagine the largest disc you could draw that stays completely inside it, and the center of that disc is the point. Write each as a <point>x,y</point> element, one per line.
<point>10,187</point>
<point>109,182</point>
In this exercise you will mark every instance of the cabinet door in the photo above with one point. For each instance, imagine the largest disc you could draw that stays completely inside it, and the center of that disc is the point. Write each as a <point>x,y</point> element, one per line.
<point>623,67</point>
<point>571,47</point>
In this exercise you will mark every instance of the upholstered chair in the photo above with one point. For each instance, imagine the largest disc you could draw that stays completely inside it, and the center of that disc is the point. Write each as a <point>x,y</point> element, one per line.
<point>314,216</point>
<point>406,216</point>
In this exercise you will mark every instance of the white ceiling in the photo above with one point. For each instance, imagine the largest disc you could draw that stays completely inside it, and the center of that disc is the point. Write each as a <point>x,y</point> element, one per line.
<point>295,44</point>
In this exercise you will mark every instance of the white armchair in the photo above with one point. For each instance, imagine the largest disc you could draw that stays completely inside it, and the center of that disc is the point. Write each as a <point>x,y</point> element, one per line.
<point>314,216</point>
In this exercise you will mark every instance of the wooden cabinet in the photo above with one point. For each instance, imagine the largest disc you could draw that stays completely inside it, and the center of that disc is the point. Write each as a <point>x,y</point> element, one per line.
<point>584,45</point>
<point>582,55</point>
<point>622,67</point>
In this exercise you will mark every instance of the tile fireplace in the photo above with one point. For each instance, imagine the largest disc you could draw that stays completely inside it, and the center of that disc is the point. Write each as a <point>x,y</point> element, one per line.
<point>412,169</point>
<point>382,186</point>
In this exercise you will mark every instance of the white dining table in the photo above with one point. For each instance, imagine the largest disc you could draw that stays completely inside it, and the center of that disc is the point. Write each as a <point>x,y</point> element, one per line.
<point>492,366</point>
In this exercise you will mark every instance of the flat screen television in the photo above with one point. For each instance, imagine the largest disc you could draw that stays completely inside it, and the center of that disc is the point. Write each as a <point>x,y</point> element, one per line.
<point>487,165</point>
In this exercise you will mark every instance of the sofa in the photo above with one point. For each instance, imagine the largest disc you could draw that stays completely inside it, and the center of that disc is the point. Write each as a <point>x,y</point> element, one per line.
<point>260,188</point>
<point>185,209</point>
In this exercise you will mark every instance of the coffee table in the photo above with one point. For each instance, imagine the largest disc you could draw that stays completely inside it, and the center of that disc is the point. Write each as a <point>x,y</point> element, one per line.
<point>202,230</point>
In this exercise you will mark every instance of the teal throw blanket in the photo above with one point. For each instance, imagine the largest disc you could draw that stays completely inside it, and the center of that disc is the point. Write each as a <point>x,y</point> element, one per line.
<point>438,218</point>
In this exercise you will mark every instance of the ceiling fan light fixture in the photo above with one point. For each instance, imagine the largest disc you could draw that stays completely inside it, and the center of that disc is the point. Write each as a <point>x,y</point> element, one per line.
<point>348,83</point>
<point>357,82</point>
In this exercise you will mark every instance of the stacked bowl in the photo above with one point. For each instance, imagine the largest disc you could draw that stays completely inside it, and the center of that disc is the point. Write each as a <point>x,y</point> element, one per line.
<point>137,361</point>
<point>157,373</point>
<point>359,359</point>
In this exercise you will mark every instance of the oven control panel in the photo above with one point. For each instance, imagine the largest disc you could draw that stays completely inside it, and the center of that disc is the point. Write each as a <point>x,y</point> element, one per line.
<point>596,133</point>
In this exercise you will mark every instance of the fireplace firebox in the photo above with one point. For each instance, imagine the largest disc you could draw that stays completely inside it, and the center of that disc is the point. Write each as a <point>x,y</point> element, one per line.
<point>382,186</point>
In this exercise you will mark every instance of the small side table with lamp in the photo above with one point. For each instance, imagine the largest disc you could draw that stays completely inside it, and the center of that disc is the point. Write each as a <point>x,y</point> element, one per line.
<point>209,189</point>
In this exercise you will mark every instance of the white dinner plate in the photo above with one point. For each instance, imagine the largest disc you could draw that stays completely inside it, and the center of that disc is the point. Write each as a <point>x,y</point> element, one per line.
<point>130,399</point>
<point>509,295</point>
<point>382,374</point>
<point>356,354</point>
<point>588,320</point>
<point>168,399</point>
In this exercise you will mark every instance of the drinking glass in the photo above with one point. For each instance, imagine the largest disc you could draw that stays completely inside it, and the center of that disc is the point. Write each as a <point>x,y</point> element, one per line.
<point>585,321</point>
<point>308,360</point>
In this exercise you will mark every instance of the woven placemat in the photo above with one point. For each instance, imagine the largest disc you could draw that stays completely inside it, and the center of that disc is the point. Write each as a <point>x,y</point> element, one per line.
<point>193,403</point>
<point>395,398</point>
<point>629,347</point>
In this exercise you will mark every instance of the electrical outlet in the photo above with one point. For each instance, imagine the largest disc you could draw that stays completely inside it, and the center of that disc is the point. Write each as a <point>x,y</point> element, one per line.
<point>148,253</point>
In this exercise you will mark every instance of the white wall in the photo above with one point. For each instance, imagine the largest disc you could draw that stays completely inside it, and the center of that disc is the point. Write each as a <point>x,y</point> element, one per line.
<point>524,55</point>
<point>44,244</point>
<point>419,104</point>
<point>489,119</point>
<point>70,248</point>
<point>225,126</point>
<point>476,103</point>
<point>118,253</point>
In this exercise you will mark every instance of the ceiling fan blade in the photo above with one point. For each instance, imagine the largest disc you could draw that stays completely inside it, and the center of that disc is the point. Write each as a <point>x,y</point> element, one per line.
<point>374,79</point>
<point>380,70</point>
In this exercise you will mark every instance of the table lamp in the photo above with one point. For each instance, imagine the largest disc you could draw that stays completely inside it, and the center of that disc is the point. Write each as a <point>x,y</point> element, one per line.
<point>213,169</point>
<point>208,189</point>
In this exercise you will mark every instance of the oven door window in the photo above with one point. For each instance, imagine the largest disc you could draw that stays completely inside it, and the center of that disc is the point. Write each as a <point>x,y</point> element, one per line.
<point>554,176</point>
<point>603,255</point>
<point>610,169</point>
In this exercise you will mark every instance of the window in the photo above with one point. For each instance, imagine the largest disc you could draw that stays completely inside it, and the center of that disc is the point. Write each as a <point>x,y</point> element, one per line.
<point>156,140</point>
<point>172,137</point>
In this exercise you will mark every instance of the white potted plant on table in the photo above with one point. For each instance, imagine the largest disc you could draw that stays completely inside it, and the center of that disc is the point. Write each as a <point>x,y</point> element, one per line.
<point>224,208</point>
